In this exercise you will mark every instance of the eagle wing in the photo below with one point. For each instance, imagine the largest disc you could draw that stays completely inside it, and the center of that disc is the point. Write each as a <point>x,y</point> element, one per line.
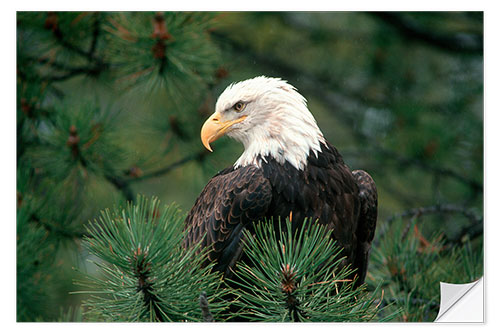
<point>231,200</point>
<point>367,221</point>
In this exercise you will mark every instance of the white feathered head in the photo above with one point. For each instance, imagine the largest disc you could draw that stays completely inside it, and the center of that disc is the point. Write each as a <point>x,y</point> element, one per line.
<point>269,117</point>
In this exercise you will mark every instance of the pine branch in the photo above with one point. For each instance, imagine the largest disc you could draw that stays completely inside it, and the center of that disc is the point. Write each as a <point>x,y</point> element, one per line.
<point>406,161</point>
<point>163,171</point>
<point>91,70</point>
<point>437,209</point>
<point>51,23</point>
<point>95,65</point>
<point>146,272</point>
<point>460,43</point>
<point>297,276</point>
<point>413,301</point>
<point>141,267</point>
<point>94,68</point>
<point>473,230</point>
<point>72,47</point>
<point>63,232</point>
<point>122,185</point>
<point>95,35</point>
<point>50,62</point>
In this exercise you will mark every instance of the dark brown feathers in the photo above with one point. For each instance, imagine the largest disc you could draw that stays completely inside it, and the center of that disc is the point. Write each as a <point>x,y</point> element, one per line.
<point>325,191</point>
<point>231,200</point>
<point>367,220</point>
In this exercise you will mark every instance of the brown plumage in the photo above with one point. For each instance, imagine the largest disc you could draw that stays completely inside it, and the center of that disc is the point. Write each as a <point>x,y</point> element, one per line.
<point>325,191</point>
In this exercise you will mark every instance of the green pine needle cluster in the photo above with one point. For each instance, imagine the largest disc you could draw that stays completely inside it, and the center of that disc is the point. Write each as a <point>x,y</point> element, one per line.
<point>146,274</point>
<point>170,50</point>
<point>298,276</point>
<point>88,134</point>
<point>55,33</point>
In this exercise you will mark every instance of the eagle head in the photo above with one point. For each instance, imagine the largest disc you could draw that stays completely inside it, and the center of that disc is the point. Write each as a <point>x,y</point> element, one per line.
<point>269,117</point>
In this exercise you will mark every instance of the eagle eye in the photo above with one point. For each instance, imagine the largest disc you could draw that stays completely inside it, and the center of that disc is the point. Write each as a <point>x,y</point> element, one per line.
<point>239,106</point>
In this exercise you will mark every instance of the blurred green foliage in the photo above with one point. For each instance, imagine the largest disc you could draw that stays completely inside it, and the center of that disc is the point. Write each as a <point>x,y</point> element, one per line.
<point>109,105</point>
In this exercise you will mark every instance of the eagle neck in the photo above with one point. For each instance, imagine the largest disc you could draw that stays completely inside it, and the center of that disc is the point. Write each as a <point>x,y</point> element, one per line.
<point>287,146</point>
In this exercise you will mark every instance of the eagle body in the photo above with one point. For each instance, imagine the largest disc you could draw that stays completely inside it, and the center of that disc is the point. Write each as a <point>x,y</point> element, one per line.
<point>266,183</point>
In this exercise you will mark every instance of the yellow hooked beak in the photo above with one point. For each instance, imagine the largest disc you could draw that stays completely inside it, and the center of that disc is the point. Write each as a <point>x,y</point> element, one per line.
<point>214,128</point>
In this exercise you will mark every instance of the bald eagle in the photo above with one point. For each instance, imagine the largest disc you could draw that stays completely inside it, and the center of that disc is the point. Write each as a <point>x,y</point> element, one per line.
<point>287,170</point>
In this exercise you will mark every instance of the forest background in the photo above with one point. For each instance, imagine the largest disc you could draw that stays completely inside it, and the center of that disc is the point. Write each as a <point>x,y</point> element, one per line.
<point>109,105</point>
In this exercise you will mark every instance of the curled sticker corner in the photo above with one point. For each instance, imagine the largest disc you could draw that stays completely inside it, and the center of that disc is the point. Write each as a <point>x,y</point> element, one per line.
<point>461,303</point>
